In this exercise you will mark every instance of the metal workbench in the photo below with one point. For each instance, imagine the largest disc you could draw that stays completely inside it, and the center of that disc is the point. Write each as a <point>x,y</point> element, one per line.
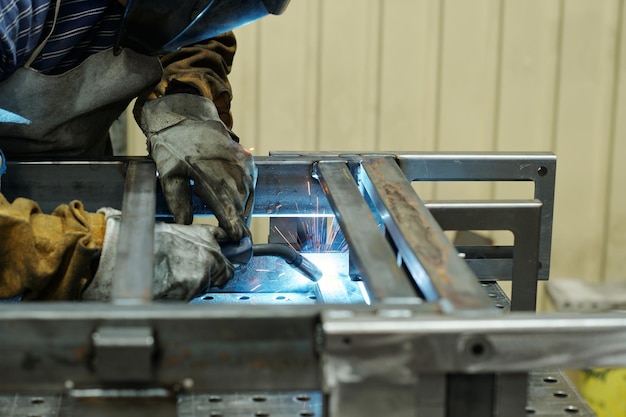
<point>403,323</point>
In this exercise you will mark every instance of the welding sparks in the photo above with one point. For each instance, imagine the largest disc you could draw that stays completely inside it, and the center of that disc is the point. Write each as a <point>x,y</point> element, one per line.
<point>284,238</point>
<point>315,234</point>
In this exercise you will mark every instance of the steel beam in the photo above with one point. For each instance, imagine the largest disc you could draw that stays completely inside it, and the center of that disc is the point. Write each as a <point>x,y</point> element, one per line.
<point>431,259</point>
<point>369,250</point>
<point>134,269</point>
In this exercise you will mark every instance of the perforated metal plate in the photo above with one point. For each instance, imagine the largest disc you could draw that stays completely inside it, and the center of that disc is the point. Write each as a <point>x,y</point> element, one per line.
<point>287,404</point>
<point>551,394</point>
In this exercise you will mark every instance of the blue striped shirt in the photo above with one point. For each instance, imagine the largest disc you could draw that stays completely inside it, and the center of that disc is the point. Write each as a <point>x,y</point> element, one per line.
<point>83,27</point>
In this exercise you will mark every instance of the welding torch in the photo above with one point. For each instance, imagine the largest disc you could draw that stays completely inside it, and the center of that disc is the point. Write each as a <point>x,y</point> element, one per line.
<point>240,253</point>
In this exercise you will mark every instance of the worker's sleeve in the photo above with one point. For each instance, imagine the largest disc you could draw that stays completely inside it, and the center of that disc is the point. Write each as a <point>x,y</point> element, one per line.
<point>200,69</point>
<point>47,256</point>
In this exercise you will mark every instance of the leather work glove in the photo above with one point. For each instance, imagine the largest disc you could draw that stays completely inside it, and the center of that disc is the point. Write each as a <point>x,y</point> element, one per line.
<point>47,256</point>
<point>187,140</point>
<point>187,260</point>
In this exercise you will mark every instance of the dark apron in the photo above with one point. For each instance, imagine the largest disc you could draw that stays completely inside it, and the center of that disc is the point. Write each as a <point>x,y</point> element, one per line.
<point>70,114</point>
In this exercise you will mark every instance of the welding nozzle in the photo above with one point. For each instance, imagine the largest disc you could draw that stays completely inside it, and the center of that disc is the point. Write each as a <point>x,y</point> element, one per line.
<point>293,258</point>
<point>240,253</point>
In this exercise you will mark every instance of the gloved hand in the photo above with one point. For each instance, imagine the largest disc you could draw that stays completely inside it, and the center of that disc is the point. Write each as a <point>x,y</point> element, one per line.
<point>47,256</point>
<point>187,260</point>
<point>187,140</point>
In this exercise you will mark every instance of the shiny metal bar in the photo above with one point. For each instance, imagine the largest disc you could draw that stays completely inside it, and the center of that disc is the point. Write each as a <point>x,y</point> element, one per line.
<point>134,270</point>
<point>515,343</point>
<point>428,255</point>
<point>511,395</point>
<point>369,250</point>
<point>284,188</point>
<point>431,395</point>
<point>50,183</point>
<point>374,397</point>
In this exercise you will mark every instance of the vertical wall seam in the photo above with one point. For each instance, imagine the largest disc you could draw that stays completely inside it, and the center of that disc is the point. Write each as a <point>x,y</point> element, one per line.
<point>379,74</point>
<point>495,135</point>
<point>318,76</point>
<point>616,80</point>
<point>439,87</point>
<point>557,76</point>
<point>437,114</point>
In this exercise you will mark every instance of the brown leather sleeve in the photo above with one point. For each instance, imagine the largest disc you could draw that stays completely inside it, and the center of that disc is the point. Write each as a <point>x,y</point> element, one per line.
<point>47,256</point>
<point>200,69</point>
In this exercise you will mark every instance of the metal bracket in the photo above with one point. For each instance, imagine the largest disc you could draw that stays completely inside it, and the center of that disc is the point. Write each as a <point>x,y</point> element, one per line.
<point>123,353</point>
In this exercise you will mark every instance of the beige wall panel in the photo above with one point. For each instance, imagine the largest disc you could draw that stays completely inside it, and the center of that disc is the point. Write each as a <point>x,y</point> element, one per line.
<point>349,71</point>
<point>288,75</point>
<point>615,260</point>
<point>583,136</point>
<point>528,75</point>
<point>468,77</point>
<point>409,78</point>
<point>244,81</point>
<point>527,82</point>
<point>468,74</point>
<point>409,75</point>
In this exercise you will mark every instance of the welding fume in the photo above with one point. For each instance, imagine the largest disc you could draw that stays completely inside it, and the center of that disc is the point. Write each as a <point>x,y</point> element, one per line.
<point>68,69</point>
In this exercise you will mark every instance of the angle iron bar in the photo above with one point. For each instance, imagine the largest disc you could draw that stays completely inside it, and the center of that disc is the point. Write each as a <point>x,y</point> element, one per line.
<point>134,269</point>
<point>46,348</point>
<point>432,260</point>
<point>369,250</point>
<point>279,347</point>
<point>519,342</point>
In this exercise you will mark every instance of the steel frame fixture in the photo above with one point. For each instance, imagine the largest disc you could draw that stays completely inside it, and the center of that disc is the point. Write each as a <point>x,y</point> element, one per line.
<point>428,339</point>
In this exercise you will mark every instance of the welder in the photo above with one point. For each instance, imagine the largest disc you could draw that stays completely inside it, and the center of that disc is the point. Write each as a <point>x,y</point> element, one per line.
<point>69,68</point>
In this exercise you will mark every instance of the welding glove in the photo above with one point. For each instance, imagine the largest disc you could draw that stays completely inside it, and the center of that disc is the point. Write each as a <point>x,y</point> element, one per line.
<point>47,256</point>
<point>187,140</point>
<point>187,260</point>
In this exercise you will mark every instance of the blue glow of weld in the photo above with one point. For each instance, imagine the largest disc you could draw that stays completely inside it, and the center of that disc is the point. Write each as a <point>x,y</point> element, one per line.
<point>10,117</point>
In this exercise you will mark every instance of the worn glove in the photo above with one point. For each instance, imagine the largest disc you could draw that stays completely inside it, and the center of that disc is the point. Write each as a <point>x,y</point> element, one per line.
<point>187,260</point>
<point>47,256</point>
<point>187,140</point>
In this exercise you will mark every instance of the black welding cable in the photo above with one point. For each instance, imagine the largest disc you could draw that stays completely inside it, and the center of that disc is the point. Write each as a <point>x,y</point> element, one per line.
<point>293,258</point>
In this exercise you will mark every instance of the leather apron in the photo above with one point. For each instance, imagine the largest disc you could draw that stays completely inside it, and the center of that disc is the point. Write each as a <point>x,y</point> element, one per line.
<point>70,114</point>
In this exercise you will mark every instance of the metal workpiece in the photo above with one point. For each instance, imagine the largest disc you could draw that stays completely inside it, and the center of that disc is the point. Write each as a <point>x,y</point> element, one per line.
<point>159,345</point>
<point>429,256</point>
<point>50,183</point>
<point>123,353</point>
<point>402,322</point>
<point>540,168</point>
<point>523,219</point>
<point>293,347</point>
<point>369,251</point>
<point>355,342</point>
<point>284,187</point>
<point>134,268</point>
